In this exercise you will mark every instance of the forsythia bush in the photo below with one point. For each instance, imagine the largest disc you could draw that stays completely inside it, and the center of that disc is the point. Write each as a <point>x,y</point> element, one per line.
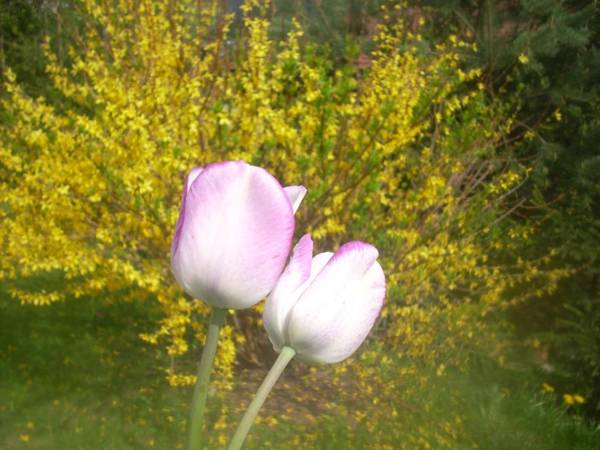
<point>406,153</point>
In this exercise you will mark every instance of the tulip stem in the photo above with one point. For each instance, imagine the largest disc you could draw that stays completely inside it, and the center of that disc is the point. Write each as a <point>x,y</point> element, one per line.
<point>217,317</point>
<point>286,355</point>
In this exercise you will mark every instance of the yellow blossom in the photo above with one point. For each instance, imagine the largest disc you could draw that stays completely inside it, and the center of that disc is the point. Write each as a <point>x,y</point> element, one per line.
<point>547,388</point>
<point>557,115</point>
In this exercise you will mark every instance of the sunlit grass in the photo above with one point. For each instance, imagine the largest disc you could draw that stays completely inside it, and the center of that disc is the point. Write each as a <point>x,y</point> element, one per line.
<point>76,376</point>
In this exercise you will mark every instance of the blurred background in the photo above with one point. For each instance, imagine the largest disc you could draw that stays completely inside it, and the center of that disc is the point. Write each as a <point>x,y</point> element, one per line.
<point>459,137</point>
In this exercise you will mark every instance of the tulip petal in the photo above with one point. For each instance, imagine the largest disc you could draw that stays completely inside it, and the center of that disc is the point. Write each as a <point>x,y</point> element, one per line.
<point>338,309</point>
<point>189,179</point>
<point>286,291</point>
<point>296,195</point>
<point>279,304</point>
<point>235,235</point>
<point>318,262</point>
<point>194,173</point>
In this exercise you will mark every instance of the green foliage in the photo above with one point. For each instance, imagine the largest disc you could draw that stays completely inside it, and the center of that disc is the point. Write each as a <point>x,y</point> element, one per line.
<point>578,330</point>
<point>20,26</point>
<point>23,26</point>
<point>546,51</point>
<point>343,25</point>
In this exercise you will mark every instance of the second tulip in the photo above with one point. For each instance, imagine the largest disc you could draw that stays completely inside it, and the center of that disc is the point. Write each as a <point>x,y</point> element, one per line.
<point>323,307</point>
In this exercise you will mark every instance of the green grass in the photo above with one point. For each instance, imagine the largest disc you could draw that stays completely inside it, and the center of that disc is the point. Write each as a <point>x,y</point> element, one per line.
<point>514,418</point>
<point>500,410</point>
<point>509,414</point>
<point>76,376</point>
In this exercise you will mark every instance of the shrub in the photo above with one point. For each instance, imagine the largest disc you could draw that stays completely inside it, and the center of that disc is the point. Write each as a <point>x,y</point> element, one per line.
<point>407,153</point>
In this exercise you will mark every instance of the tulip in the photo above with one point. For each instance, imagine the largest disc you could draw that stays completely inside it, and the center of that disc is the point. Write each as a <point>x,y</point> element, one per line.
<point>321,310</point>
<point>324,306</point>
<point>234,233</point>
<point>232,239</point>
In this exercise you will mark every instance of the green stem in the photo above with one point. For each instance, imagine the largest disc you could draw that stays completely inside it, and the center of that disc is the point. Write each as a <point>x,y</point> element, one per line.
<point>217,317</point>
<point>286,355</point>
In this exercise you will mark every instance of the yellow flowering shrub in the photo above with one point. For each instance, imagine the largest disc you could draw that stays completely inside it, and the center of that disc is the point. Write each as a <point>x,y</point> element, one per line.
<point>407,154</point>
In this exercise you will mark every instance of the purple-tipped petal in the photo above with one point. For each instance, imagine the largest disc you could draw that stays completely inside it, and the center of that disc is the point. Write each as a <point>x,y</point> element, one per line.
<point>287,291</point>
<point>296,195</point>
<point>338,309</point>
<point>189,179</point>
<point>235,234</point>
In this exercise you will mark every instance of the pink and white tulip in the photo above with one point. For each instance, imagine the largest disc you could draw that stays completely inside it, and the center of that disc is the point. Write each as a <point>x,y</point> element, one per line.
<point>324,306</point>
<point>234,233</point>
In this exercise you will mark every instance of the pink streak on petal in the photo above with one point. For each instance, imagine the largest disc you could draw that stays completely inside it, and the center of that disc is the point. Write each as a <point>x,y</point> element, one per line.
<point>300,261</point>
<point>189,179</point>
